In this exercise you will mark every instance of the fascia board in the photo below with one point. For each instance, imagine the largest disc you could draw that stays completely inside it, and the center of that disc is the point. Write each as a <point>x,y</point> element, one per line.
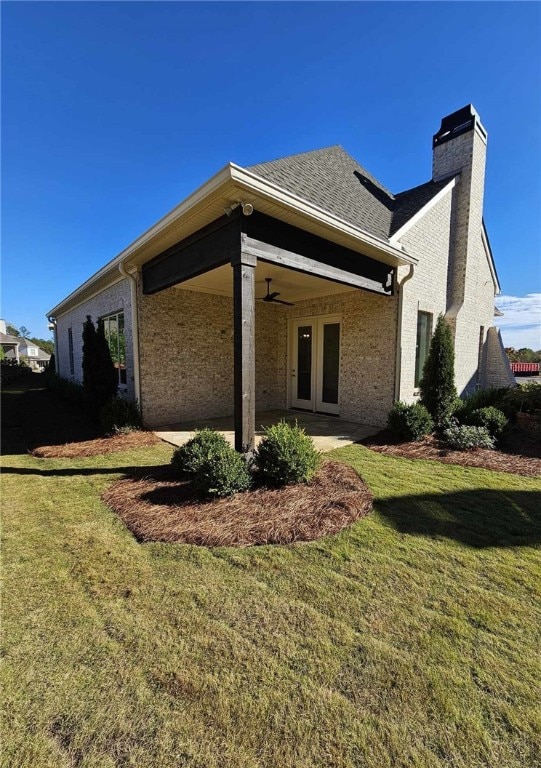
<point>422,211</point>
<point>490,259</point>
<point>111,268</point>
<point>243,181</point>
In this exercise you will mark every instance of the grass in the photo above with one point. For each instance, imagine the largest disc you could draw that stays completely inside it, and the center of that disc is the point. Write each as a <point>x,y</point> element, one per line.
<point>410,639</point>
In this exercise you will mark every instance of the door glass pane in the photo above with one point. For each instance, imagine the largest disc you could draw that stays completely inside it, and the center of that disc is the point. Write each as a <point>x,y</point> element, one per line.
<point>331,362</point>
<point>304,362</point>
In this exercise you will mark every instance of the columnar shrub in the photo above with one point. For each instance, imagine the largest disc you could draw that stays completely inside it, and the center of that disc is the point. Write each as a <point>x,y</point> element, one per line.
<point>491,418</point>
<point>438,391</point>
<point>100,378</point>
<point>462,437</point>
<point>409,422</point>
<point>286,455</point>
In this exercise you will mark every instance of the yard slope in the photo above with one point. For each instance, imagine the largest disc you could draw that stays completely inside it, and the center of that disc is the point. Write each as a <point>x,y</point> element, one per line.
<point>410,639</point>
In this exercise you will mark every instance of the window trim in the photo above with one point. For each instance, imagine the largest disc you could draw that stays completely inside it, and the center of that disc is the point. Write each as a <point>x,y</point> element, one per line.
<point>419,365</point>
<point>70,351</point>
<point>122,385</point>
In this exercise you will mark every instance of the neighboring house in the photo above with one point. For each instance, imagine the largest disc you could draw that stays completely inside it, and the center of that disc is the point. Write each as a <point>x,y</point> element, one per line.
<point>34,356</point>
<point>364,272</point>
<point>9,343</point>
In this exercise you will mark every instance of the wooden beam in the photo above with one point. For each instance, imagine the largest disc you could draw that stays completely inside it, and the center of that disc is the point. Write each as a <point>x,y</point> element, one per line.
<point>300,263</point>
<point>282,243</point>
<point>210,247</point>
<point>244,350</point>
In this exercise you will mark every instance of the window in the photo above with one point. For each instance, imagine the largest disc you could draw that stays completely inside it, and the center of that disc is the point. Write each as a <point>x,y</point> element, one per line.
<point>424,334</point>
<point>32,352</point>
<point>70,351</point>
<point>113,328</point>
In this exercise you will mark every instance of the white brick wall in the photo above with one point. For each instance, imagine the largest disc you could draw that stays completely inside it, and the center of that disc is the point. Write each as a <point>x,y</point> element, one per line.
<point>117,298</point>
<point>429,241</point>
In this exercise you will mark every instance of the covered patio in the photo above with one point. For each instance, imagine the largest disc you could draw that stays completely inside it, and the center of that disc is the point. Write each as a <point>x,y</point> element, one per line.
<point>328,432</point>
<point>329,350</point>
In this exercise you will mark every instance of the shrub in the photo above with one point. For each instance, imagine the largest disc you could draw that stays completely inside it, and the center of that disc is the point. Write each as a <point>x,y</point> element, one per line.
<point>409,422</point>
<point>120,415</point>
<point>286,455</point>
<point>67,390</point>
<point>100,377</point>
<point>462,437</point>
<point>438,392</point>
<point>206,443</point>
<point>484,398</point>
<point>223,473</point>
<point>491,418</point>
<point>11,370</point>
<point>526,398</point>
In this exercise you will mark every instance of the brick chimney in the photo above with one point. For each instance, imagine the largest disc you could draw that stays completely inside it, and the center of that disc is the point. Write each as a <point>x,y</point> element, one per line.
<point>459,149</point>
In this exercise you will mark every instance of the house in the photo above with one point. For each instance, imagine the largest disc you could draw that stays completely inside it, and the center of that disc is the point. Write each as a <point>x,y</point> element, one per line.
<point>21,349</point>
<point>300,283</point>
<point>34,356</point>
<point>9,343</point>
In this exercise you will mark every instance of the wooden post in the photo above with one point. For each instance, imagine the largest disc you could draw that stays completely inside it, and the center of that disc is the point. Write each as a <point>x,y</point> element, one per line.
<point>244,350</point>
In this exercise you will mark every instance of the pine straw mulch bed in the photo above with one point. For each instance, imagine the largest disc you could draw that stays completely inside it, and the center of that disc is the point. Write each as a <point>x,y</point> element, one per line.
<point>510,459</point>
<point>98,446</point>
<point>161,508</point>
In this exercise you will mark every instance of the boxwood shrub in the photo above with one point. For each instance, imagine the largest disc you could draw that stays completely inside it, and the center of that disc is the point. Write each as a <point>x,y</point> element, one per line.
<point>187,459</point>
<point>409,422</point>
<point>223,473</point>
<point>491,418</point>
<point>286,455</point>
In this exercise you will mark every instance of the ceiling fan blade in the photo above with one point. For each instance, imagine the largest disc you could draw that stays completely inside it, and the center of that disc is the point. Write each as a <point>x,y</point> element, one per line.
<point>279,301</point>
<point>271,296</point>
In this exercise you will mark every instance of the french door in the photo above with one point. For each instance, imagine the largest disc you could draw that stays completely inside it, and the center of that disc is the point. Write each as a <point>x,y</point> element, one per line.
<point>315,364</point>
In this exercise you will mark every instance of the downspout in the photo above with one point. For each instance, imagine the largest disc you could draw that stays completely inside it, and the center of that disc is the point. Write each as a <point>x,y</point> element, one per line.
<point>398,360</point>
<point>52,321</point>
<point>134,331</point>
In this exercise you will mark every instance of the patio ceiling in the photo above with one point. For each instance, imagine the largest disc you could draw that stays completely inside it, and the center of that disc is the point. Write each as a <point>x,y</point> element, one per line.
<point>293,286</point>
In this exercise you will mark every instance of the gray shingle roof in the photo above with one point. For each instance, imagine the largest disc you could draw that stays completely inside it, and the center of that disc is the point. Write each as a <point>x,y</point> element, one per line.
<point>412,200</point>
<point>7,338</point>
<point>333,180</point>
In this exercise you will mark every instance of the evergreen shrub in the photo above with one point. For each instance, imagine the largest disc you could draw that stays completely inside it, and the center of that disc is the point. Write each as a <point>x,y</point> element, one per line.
<point>100,377</point>
<point>491,418</point>
<point>187,459</point>
<point>438,391</point>
<point>286,455</point>
<point>462,437</point>
<point>409,422</point>
<point>120,415</point>
<point>11,370</point>
<point>223,473</point>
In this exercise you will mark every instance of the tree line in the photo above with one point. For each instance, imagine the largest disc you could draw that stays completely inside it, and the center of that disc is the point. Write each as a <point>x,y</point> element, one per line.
<point>523,355</point>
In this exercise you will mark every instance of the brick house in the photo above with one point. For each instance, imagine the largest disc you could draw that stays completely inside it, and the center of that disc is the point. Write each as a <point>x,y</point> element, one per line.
<point>300,283</point>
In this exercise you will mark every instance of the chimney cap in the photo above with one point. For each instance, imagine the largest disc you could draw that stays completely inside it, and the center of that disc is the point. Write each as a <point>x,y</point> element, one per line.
<point>459,122</point>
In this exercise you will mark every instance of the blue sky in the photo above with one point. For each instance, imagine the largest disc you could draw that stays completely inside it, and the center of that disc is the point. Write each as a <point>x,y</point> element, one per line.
<point>113,112</point>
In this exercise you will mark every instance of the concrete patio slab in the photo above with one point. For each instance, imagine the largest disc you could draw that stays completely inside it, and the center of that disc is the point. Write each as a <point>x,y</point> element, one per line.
<point>328,432</point>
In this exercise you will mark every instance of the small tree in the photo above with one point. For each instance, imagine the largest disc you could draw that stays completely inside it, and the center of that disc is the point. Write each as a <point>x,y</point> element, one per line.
<point>438,391</point>
<point>100,378</point>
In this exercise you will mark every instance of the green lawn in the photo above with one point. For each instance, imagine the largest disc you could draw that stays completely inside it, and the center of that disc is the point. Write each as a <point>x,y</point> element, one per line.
<point>411,639</point>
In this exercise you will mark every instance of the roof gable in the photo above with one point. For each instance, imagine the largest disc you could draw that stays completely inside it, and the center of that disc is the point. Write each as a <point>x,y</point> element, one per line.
<point>333,180</point>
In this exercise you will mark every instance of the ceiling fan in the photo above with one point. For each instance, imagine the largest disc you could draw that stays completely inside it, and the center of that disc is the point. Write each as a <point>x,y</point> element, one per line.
<point>271,297</point>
